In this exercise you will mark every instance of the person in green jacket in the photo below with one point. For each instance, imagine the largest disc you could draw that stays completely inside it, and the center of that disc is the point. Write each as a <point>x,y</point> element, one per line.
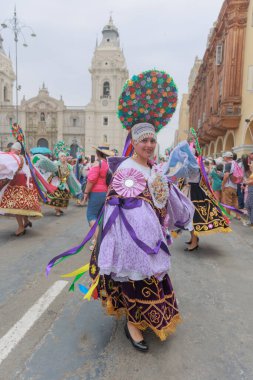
<point>216,176</point>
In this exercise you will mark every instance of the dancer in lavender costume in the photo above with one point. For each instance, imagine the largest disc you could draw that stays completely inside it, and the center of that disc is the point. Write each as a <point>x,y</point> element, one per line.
<point>130,262</point>
<point>134,259</point>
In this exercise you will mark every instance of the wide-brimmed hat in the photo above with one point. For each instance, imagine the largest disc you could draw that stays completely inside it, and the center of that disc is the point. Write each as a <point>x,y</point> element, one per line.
<point>104,149</point>
<point>227,155</point>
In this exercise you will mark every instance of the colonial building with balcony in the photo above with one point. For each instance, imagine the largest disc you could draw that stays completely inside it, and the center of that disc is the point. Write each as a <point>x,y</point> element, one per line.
<point>224,84</point>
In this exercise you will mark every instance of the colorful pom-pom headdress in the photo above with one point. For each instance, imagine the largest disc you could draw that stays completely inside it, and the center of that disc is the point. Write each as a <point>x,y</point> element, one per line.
<point>61,147</point>
<point>150,97</point>
<point>18,133</point>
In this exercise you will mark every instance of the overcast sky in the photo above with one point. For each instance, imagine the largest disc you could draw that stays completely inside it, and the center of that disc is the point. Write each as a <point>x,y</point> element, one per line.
<point>161,34</point>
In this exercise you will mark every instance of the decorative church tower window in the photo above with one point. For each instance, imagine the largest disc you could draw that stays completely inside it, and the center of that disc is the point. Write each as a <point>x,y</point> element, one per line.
<point>108,74</point>
<point>106,90</point>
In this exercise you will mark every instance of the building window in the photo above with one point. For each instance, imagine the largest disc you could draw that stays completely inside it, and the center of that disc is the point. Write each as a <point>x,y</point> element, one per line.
<point>218,55</point>
<point>106,89</point>
<point>74,122</point>
<point>105,121</point>
<point>105,139</point>
<point>5,94</point>
<point>42,116</point>
<point>10,120</point>
<point>250,79</point>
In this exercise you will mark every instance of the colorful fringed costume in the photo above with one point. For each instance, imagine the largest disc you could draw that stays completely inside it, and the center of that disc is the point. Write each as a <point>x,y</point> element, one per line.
<point>61,176</point>
<point>18,193</point>
<point>133,277</point>
<point>209,215</point>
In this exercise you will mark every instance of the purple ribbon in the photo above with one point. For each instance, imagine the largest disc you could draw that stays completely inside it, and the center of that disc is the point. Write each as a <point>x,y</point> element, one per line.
<point>128,204</point>
<point>34,178</point>
<point>127,144</point>
<point>75,250</point>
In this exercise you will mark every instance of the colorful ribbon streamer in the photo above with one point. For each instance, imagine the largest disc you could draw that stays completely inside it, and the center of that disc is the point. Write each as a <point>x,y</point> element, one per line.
<point>73,251</point>
<point>128,148</point>
<point>193,132</point>
<point>92,289</point>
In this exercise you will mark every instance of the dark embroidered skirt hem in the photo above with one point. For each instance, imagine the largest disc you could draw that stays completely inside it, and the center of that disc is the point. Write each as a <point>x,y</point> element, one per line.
<point>147,303</point>
<point>60,198</point>
<point>163,333</point>
<point>207,217</point>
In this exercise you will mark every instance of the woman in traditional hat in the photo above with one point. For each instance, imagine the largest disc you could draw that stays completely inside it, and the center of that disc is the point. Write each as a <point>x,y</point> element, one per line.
<point>96,187</point>
<point>18,194</point>
<point>130,262</point>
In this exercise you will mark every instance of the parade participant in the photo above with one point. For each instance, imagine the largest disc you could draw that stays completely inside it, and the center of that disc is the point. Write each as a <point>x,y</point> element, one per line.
<point>96,187</point>
<point>208,216</point>
<point>78,170</point>
<point>60,174</point>
<point>19,195</point>
<point>131,259</point>
<point>216,176</point>
<point>229,186</point>
<point>249,200</point>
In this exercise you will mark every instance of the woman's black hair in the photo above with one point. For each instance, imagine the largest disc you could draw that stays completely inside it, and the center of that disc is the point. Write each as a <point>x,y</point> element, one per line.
<point>101,155</point>
<point>219,167</point>
<point>245,162</point>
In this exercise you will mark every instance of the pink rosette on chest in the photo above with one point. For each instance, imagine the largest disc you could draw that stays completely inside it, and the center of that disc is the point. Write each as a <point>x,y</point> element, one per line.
<point>129,183</point>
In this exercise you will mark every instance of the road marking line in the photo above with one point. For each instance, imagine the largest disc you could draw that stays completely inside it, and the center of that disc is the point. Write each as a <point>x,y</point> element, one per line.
<point>18,331</point>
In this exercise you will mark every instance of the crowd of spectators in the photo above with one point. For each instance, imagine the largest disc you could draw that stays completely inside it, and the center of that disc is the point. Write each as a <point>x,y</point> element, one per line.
<point>231,180</point>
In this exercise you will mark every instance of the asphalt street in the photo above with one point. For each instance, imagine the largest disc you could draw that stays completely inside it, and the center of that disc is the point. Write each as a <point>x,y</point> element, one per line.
<point>48,333</point>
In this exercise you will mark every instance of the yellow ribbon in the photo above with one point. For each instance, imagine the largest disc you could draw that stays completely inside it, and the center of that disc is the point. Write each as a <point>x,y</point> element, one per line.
<point>91,290</point>
<point>78,271</point>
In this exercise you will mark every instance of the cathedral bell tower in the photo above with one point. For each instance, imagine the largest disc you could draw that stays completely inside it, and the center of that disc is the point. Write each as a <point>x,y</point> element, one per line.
<point>108,74</point>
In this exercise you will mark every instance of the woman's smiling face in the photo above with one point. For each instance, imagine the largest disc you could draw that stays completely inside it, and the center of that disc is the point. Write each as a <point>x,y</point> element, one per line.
<point>145,148</point>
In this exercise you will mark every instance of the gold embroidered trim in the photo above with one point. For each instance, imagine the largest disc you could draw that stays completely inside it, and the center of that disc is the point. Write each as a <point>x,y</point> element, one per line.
<point>162,334</point>
<point>220,229</point>
<point>21,212</point>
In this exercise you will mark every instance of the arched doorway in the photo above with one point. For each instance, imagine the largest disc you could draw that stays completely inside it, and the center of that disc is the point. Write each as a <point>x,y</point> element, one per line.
<point>249,135</point>
<point>211,149</point>
<point>219,146</point>
<point>229,143</point>
<point>42,142</point>
<point>73,150</point>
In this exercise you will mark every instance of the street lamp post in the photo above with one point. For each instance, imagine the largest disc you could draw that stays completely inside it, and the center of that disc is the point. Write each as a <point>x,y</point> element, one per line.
<point>17,28</point>
<point>3,139</point>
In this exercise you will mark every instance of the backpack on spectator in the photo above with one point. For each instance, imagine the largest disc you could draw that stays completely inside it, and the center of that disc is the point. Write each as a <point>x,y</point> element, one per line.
<point>237,175</point>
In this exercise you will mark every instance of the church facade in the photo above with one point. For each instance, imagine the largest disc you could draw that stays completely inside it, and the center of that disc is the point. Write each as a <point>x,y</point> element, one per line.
<point>46,120</point>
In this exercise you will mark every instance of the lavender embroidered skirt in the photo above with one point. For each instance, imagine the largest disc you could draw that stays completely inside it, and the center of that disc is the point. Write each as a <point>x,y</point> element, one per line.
<point>147,303</point>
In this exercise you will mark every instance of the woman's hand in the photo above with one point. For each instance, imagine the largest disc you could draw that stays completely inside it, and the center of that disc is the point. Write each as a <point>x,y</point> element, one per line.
<point>85,198</point>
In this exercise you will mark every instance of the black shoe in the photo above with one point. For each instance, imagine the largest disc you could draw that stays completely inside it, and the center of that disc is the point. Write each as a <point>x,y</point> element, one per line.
<point>189,242</point>
<point>140,346</point>
<point>28,224</point>
<point>192,249</point>
<point>21,233</point>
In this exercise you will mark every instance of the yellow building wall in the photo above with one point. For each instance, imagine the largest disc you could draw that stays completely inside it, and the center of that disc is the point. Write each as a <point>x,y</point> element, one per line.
<point>183,123</point>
